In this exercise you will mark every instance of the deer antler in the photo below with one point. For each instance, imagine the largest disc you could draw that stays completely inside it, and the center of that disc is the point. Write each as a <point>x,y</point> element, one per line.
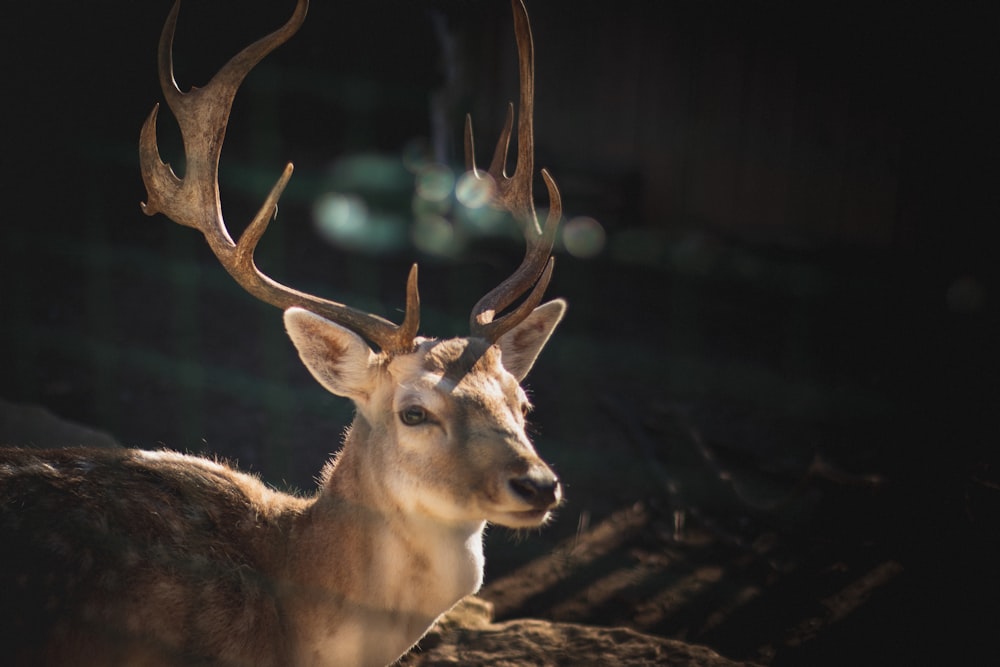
<point>514,193</point>
<point>193,201</point>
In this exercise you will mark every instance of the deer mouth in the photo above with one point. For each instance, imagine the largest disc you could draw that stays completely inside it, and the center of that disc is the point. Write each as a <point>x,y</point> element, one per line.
<point>532,518</point>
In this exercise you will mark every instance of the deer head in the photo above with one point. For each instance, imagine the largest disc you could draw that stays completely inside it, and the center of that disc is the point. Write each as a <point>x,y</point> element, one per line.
<point>438,446</point>
<point>447,418</point>
<point>443,424</point>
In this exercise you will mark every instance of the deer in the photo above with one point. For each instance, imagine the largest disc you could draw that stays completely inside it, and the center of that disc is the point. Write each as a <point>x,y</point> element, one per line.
<point>158,558</point>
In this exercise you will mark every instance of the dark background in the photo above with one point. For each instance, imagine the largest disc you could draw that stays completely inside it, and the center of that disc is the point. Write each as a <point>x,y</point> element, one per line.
<point>789,330</point>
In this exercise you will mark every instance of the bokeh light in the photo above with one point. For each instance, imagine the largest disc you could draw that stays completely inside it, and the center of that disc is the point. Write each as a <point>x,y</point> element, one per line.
<point>475,191</point>
<point>433,234</point>
<point>422,206</point>
<point>583,237</point>
<point>345,220</point>
<point>369,173</point>
<point>435,182</point>
<point>417,154</point>
<point>484,220</point>
<point>341,218</point>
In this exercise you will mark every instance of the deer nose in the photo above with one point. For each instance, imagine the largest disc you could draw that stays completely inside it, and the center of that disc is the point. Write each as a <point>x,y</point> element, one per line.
<point>539,488</point>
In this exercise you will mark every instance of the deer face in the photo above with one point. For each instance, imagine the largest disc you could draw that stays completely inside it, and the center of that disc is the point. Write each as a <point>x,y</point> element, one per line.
<point>450,417</point>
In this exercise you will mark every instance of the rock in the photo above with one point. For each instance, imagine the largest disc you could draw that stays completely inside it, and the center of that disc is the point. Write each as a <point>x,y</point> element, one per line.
<point>467,636</point>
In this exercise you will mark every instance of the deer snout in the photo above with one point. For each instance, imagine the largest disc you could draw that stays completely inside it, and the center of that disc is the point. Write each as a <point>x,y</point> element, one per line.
<point>539,488</point>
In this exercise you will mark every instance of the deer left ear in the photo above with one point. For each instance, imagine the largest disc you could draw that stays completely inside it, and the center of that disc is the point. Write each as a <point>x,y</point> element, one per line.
<point>338,358</point>
<point>520,346</point>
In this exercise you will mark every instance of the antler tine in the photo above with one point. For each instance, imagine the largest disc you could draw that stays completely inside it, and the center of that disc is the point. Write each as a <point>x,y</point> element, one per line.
<point>203,114</point>
<point>514,193</point>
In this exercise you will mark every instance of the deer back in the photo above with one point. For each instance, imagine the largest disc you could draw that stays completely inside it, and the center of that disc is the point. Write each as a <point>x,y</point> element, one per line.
<point>137,554</point>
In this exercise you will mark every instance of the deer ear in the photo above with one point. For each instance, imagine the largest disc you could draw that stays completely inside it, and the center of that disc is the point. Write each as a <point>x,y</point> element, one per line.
<point>338,358</point>
<point>520,346</point>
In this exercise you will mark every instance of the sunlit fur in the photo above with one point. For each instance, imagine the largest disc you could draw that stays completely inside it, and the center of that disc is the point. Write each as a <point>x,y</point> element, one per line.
<point>125,557</point>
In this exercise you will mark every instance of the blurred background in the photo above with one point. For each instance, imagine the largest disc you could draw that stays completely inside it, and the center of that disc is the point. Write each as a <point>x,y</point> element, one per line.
<point>776,249</point>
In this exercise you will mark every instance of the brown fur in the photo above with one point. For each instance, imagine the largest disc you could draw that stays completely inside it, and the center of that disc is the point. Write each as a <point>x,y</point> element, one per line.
<point>137,555</point>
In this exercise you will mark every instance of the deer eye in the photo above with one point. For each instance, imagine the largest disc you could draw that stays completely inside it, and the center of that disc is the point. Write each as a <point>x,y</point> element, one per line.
<point>413,415</point>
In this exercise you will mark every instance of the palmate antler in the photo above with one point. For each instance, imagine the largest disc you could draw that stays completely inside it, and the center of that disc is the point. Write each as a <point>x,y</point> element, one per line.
<point>194,201</point>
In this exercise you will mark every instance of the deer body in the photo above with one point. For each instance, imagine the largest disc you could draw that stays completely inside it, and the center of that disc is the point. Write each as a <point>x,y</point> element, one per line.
<point>126,557</point>
<point>258,579</point>
<point>160,558</point>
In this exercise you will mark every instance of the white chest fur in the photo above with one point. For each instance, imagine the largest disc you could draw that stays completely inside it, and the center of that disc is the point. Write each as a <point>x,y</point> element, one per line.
<point>414,578</point>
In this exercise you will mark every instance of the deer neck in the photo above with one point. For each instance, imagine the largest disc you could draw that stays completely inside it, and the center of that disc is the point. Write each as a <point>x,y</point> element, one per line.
<point>378,575</point>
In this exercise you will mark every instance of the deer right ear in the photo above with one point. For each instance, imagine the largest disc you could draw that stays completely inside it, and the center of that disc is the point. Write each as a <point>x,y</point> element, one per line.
<point>520,346</point>
<point>338,358</point>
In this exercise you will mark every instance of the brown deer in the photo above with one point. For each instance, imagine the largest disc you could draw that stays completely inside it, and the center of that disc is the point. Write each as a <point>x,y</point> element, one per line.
<point>130,557</point>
